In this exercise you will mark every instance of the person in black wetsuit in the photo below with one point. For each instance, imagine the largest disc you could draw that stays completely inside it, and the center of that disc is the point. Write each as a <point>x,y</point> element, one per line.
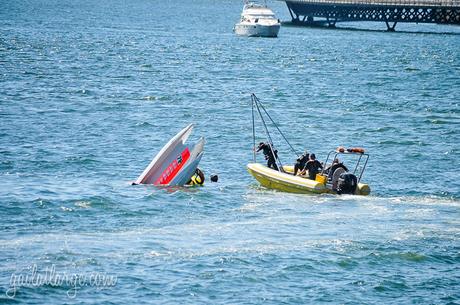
<point>300,162</point>
<point>313,167</point>
<point>269,155</point>
<point>335,165</point>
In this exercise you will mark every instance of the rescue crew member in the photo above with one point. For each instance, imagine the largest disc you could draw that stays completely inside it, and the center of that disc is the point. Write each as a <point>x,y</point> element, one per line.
<point>335,165</point>
<point>313,167</point>
<point>270,156</point>
<point>300,162</point>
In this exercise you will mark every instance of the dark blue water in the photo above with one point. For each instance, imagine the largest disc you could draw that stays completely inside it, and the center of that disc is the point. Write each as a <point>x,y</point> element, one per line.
<point>91,90</point>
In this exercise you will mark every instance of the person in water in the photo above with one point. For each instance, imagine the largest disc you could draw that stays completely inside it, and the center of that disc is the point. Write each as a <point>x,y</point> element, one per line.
<point>313,167</point>
<point>300,162</point>
<point>197,178</point>
<point>270,156</point>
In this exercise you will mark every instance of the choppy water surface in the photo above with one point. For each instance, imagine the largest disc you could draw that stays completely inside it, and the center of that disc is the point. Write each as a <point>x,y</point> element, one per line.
<point>90,91</point>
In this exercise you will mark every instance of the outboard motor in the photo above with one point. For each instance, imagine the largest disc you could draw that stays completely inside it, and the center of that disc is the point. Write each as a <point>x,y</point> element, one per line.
<point>347,184</point>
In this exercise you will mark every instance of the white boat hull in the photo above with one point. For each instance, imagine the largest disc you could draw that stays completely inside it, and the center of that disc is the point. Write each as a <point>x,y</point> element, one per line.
<point>175,164</point>
<point>257,30</point>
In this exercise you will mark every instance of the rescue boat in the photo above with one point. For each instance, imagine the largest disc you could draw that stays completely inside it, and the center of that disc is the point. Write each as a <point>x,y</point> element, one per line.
<point>334,178</point>
<point>325,182</point>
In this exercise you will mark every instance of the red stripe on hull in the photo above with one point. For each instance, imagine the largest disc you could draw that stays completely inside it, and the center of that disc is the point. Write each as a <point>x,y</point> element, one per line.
<point>173,168</point>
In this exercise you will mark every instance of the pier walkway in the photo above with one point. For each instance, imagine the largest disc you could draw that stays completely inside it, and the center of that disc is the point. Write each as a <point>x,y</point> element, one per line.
<point>391,12</point>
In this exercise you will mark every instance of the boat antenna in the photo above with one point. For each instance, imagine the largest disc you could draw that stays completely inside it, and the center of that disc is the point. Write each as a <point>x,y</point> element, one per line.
<point>276,126</point>
<point>256,101</point>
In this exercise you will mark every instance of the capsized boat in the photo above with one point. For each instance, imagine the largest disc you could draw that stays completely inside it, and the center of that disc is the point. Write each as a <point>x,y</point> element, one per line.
<point>257,20</point>
<point>334,178</point>
<point>176,162</point>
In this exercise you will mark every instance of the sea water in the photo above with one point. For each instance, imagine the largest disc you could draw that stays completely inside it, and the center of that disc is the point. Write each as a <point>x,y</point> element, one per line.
<point>91,90</point>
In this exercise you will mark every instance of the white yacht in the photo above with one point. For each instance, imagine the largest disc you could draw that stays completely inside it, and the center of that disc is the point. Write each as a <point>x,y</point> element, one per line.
<point>258,21</point>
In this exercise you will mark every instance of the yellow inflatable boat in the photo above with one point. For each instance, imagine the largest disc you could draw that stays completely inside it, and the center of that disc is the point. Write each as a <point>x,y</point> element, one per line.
<point>286,182</point>
<point>335,177</point>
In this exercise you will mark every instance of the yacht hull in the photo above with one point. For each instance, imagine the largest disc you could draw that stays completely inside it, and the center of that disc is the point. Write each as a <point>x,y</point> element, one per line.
<point>257,30</point>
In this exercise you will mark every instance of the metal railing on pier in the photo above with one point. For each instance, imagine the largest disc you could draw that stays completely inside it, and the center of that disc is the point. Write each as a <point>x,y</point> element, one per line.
<point>415,3</point>
<point>389,11</point>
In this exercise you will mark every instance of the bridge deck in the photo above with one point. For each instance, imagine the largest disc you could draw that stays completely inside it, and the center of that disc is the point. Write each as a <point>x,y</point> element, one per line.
<point>389,11</point>
<point>409,3</point>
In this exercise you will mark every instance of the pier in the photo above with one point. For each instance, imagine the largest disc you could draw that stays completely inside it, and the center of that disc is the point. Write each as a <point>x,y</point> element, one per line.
<point>304,12</point>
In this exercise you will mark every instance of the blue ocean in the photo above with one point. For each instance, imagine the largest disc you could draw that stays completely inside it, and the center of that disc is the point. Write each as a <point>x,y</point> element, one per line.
<point>91,90</point>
